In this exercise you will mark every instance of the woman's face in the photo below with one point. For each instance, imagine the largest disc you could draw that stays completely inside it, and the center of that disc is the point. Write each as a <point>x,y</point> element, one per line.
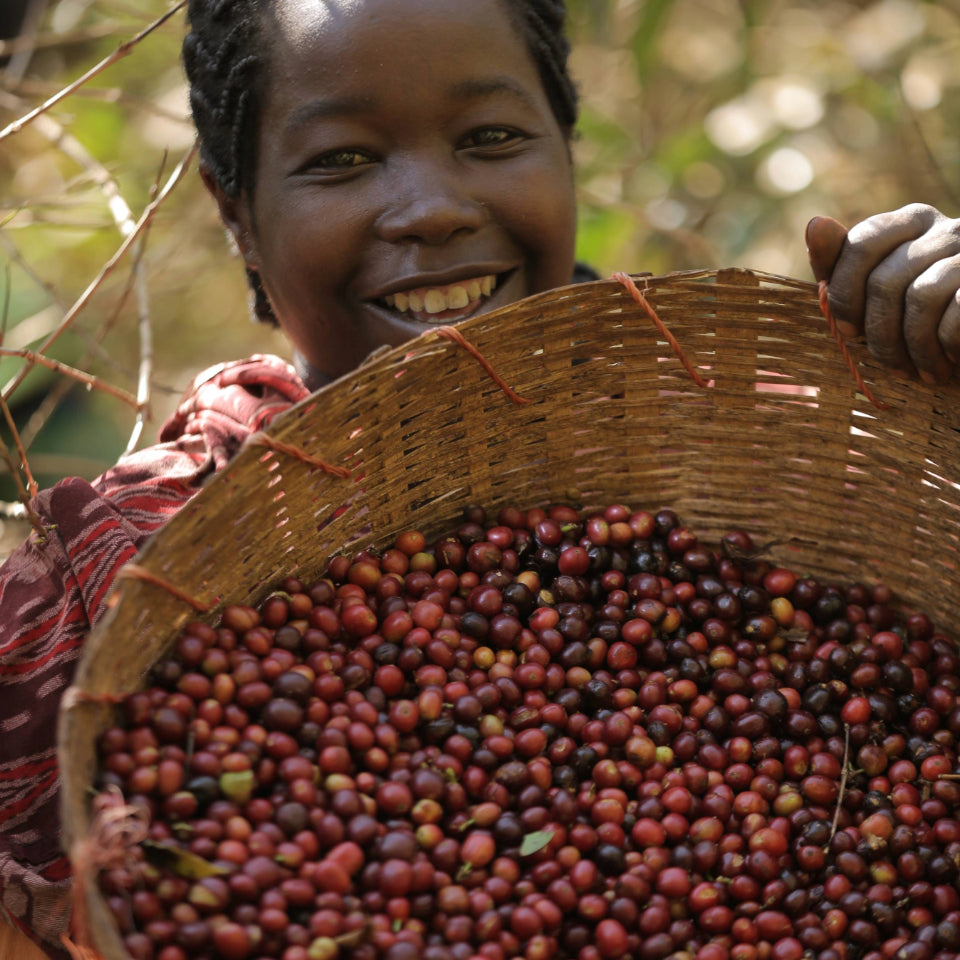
<point>410,173</point>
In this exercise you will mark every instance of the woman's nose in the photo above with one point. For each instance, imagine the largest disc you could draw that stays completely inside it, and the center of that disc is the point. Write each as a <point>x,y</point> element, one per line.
<point>429,203</point>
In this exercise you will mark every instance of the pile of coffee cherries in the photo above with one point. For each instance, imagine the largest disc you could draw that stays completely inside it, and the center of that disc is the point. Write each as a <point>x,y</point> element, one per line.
<point>546,736</point>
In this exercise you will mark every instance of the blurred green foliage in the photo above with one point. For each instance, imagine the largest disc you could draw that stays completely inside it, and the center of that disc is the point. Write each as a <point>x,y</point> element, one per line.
<point>712,130</point>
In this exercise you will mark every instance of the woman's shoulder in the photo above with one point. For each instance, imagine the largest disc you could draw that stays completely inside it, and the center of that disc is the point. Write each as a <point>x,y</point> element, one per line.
<point>96,525</point>
<point>239,394</point>
<point>221,408</point>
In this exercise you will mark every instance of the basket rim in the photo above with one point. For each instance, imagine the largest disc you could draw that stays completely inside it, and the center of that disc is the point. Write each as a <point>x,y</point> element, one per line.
<point>758,290</point>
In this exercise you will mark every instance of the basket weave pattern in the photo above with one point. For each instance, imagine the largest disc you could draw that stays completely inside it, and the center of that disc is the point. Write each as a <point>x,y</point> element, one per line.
<point>853,492</point>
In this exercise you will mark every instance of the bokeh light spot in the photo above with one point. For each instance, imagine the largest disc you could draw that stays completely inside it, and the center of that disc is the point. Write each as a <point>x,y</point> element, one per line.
<point>785,171</point>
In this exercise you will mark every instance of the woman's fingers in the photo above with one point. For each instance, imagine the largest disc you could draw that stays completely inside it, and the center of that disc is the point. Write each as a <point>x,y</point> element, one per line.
<point>949,331</point>
<point>868,246</point>
<point>931,320</point>
<point>907,295</point>
<point>825,237</point>
<point>895,278</point>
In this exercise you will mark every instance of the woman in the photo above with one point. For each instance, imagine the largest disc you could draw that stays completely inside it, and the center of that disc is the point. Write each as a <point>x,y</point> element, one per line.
<point>384,166</point>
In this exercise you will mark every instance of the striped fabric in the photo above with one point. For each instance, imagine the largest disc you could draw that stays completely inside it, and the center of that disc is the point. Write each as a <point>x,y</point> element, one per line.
<point>51,593</point>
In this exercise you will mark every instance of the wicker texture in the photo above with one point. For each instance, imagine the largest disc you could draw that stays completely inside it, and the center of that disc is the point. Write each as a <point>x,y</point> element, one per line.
<point>856,493</point>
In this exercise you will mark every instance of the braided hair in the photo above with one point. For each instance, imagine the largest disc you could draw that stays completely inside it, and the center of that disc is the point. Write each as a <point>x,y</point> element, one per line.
<point>227,61</point>
<point>542,24</point>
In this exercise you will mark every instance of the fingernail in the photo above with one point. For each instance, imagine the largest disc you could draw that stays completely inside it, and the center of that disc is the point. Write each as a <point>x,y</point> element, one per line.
<point>901,374</point>
<point>927,377</point>
<point>847,330</point>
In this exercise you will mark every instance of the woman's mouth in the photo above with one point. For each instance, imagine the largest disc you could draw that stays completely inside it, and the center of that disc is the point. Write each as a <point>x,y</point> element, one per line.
<point>453,301</point>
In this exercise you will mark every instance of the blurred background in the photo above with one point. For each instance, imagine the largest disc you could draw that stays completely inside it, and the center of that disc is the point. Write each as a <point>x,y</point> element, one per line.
<point>712,130</point>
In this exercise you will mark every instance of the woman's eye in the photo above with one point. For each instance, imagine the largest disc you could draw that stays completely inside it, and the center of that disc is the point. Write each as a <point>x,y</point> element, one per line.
<point>491,137</point>
<point>340,160</point>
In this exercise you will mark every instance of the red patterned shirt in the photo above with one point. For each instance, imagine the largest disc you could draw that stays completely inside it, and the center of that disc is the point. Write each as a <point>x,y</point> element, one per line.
<point>52,592</point>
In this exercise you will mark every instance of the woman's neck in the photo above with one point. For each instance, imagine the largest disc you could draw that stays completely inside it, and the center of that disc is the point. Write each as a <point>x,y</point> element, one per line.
<point>312,378</point>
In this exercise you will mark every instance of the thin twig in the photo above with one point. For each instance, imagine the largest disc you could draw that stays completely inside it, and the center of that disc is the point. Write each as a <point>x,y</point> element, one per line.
<point>21,443</point>
<point>92,341</point>
<point>84,224</point>
<point>12,214</point>
<point>122,51</point>
<point>111,95</point>
<point>146,360</point>
<point>115,8</point>
<point>15,433</point>
<point>41,41</point>
<point>17,257</point>
<point>87,379</point>
<point>145,328</point>
<point>108,267</point>
<point>72,148</point>
<point>19,61</point>
<point>46,409</point>
<point>24,492</point>
<point>123,217</point>
<point>14,470</point>
<point>843,780</point>
<point>6,300</point>
<point>61,388</point>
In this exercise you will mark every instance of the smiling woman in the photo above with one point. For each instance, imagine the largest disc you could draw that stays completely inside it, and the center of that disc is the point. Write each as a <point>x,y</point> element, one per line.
<point>382,201</point>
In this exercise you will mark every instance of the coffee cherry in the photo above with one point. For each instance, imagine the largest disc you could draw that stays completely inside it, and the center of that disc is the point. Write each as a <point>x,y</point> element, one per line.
<point>553,736</point>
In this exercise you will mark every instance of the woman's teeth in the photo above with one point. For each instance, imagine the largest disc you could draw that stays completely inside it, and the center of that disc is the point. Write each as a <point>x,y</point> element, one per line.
<point>454,296</point>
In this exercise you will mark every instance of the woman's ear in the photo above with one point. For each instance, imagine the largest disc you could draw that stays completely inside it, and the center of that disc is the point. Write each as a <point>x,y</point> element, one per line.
<point>235,216</point>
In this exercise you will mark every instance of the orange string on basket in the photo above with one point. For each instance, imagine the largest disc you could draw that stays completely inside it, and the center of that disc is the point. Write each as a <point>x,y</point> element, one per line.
<point>75,695</point>
<point>632,289</point>
<point>455,336</point>
<point>77,952</point>
<point>844,351</point>
<point>265,440</point>
<point>133,571</point>
<point>115,830</point>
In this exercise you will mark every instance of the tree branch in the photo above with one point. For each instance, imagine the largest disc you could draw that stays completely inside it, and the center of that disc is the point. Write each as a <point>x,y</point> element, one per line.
<point>41,41</point>
<point>113,95</point>
<point>145,327</point>
<point>122,51</point>
<point>87,379</point>
<point>107,268</point>
<point>22,491</point>
<point>72,148</point>
<point>19,61</point>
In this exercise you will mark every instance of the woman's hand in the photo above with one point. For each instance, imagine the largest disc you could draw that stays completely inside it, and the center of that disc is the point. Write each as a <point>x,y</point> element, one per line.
<point>896,278</point>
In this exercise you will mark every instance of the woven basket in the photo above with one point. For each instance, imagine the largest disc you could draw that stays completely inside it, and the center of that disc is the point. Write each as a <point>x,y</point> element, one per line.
<point>856,493</point>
